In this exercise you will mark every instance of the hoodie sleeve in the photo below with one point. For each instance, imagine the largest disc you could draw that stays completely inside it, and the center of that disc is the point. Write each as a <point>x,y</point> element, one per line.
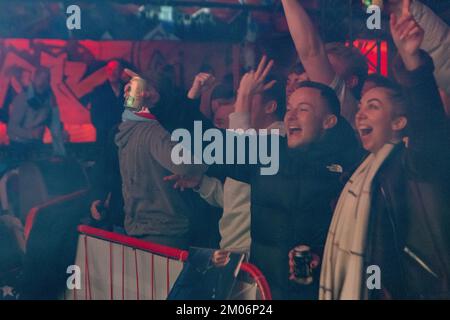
<point>211,190</point>
<point>166,152</point>
<point>436,42</point>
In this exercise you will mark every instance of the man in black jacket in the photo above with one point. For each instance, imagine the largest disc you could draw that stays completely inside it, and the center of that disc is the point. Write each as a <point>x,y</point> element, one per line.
<point>294,206</point>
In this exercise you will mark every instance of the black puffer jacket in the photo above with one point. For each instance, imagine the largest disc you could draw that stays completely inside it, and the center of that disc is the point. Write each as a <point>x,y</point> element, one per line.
<point>295,206</point>
<point>409,230</point>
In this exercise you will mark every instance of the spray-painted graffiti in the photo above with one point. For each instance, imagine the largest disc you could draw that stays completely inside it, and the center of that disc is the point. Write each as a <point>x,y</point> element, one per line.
<point>77,67</point>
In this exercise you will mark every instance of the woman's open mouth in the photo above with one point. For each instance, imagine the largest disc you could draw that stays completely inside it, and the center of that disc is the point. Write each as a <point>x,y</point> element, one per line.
<point>365,131</point>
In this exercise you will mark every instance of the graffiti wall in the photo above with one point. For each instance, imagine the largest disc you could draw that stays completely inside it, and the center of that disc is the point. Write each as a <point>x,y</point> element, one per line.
<point>77,67</point>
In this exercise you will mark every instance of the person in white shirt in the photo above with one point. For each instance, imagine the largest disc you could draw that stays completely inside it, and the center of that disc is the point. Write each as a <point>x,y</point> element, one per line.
<point>256,108</point>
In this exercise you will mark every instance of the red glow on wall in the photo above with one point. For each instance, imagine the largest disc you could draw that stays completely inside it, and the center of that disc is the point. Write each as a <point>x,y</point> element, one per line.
<point>77,68</point>
<point>72,77</point>
<point>376,52</point>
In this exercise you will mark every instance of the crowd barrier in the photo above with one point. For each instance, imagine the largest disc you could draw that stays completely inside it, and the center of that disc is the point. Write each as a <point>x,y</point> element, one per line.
<point>117,267</point>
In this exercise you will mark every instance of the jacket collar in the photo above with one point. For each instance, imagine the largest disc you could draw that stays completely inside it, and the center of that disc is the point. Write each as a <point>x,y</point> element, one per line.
<point>129,115</point>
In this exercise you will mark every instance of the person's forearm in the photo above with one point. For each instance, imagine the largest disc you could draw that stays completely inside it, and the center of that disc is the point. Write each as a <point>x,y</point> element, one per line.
<point>309,45</point>
<point>239,120</point>
<point>211,190</point>
<point>193,93</point>
<point>243,102</point>
<point>163,149</point>
<point>411,61</point>
<point>426,116</point>
<point>306,40</point>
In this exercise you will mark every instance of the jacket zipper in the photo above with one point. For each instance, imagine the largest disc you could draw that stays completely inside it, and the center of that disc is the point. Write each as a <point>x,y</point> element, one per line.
<point>420,262</point>
<point>394,231</point>
<point>410,253</point>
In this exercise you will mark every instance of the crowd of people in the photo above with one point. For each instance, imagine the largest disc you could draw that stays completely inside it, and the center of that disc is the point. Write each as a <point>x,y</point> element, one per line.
<point>363,175</point>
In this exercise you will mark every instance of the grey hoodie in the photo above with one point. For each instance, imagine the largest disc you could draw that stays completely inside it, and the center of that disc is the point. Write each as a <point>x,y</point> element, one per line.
<point>152,207</point>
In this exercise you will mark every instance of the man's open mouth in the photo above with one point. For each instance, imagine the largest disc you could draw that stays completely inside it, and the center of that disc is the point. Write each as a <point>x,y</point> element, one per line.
<point>294,130</point>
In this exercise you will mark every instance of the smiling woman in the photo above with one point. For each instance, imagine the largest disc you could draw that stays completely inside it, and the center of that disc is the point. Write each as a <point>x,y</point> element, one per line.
<point>381,117</point>
<point>397,199</point>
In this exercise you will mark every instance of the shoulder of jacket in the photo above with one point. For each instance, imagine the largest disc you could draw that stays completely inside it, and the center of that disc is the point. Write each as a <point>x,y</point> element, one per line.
<point>394,164</point>
<point>153,128</point>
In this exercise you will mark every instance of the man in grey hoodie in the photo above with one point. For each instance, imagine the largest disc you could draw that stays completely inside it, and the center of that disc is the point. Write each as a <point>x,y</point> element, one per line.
<point>154,211</point>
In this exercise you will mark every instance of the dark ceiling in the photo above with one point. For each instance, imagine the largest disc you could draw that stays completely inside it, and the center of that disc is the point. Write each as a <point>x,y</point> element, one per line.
<point>213,20</point>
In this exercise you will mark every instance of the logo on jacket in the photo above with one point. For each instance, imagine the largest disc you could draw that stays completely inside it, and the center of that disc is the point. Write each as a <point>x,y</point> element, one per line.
<point>335,168</point>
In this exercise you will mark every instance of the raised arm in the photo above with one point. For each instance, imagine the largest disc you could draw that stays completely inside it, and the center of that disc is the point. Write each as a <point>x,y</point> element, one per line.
<point>414,72</point>
<point>309,45</point>
<point>437,37</point>
<point>161,147</point>
<point>209,189</point>
<point>252,83</point>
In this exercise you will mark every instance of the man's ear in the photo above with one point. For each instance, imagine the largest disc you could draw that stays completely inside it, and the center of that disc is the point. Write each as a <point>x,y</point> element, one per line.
<point>399,123</point>
<point>330,121</point>
<point>352,82</point>
<point>270,107</point>
<point>214,106</point>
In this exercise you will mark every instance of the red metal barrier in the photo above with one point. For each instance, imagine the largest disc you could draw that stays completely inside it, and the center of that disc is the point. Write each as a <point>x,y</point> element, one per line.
<point>154,249</point>
<point>134,243</point>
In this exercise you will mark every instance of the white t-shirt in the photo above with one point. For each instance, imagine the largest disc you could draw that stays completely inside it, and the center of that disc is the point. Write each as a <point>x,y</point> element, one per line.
<point>349,105</point>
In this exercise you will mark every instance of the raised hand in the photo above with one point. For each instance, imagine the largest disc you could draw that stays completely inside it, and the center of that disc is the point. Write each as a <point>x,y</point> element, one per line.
<point>149,95</point>
<point>184,182</point>
<point>202,83</point>
<point>407,35</point>
<point>253,82</point>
